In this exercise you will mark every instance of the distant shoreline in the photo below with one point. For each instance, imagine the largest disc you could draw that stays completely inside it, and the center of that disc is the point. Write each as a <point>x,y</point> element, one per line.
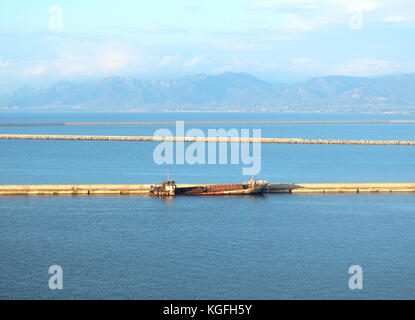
<point>64,110</point>
<point>199,123</point>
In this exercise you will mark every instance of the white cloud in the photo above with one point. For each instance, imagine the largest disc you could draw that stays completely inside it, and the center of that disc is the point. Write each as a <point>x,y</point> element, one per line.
<point>361,6</point>
<point>223,69</point>
<point>305,15</point>
<point>297,61</point>
<point>398,18</point>
<point>167,61</point>
<point>4,65</point>
<point>194,62</point>
<point>233,45</point>
<point>83,59</point>
<point>89,59</point>
<point>163,29</point>
<point>66,67</point>
<point>363,67</point>
<point>317,5</point>
<point>37,70</point>
<point>114,60</point>
<point>301,15</point>
<point>297,23</point>
<point>284,4</point>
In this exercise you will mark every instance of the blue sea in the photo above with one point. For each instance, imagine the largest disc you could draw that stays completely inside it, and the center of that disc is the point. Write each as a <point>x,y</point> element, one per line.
<point>274,246</point>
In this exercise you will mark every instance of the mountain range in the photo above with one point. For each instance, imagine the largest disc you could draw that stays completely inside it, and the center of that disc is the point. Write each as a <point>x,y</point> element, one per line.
<point>228,91</point>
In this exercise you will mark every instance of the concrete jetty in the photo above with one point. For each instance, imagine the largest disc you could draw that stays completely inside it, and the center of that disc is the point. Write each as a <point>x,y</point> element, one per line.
<point>340,187</point>
<point>76,189</point>
<point>207,139</point>
<point>143,189</point>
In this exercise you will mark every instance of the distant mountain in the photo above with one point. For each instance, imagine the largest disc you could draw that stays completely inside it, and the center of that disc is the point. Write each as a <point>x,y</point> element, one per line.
<point>230,91</point>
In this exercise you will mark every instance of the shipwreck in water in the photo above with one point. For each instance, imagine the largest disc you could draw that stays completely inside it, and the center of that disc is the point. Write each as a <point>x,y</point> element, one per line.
<point>170,188</point>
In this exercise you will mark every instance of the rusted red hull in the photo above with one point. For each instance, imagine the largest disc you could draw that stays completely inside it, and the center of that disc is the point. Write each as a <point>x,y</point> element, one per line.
<point>221,189</point>
<point>170,188</point>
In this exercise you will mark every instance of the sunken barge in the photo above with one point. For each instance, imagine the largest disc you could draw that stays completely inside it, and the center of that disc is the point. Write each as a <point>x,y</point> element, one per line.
<point>170,188</point>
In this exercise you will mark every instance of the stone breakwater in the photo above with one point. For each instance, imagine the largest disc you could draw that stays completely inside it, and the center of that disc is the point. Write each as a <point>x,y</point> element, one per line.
<point>144,189</point>
<point>341,188</point>
<point>208,139</point>
<point>78,189</point>
<point>199,123</point>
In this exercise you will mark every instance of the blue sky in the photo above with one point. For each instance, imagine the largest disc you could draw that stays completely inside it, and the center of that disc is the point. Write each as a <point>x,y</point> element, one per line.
<point>279,40</point>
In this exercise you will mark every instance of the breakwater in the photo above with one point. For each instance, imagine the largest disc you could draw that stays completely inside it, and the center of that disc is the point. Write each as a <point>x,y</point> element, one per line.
<point>198,123</point>
<point>340,187</point>
<point>76,189</point>
<point>143,189</point>
<point>207,139</point>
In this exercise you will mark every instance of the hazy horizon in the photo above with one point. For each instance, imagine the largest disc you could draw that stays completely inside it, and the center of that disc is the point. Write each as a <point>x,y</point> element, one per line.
<point>277,40</point>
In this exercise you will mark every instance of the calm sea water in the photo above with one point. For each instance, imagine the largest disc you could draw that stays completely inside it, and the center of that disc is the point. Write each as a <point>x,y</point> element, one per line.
<point>255,247</point>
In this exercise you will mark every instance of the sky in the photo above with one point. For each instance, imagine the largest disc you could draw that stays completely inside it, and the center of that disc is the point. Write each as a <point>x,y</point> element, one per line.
<point>44,41</point>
